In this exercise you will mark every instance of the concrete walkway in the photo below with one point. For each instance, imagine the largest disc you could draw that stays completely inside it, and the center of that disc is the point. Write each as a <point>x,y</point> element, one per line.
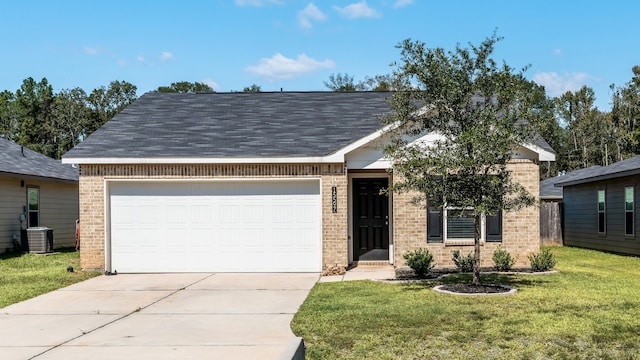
<point>159,316</point>
<point>383,272</point>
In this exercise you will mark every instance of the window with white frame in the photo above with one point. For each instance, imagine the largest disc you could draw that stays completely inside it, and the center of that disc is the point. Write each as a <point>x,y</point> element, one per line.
<point>629,210</point>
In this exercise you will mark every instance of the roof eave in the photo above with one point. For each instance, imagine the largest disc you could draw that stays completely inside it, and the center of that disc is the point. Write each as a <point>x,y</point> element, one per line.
<point>38,177</point>
<point>197,160</point>
<point>599,178</point>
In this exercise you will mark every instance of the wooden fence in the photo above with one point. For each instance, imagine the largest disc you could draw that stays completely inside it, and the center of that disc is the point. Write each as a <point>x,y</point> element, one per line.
<point>551,223</point>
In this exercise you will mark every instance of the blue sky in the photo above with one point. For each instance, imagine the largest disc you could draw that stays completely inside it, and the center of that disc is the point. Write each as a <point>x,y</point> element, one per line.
<point>296,45</point>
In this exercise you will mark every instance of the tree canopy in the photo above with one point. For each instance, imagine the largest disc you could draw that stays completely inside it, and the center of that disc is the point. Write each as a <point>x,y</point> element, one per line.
<point>477,108</point>
<point>345,83</point>
<point>186,87</point>
<point>252,89</point>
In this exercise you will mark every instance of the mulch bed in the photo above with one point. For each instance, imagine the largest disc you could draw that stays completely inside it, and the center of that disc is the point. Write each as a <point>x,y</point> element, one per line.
<point>475,289</point>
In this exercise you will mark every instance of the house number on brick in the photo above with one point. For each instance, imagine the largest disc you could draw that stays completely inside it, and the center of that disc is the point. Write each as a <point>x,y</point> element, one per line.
<point>334,199</point>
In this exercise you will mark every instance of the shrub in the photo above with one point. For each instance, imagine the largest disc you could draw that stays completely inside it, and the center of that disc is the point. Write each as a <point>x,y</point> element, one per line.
<point>502,260</point>
<point>543,261</point>
<point>420,261</point>
<point>463,263</point>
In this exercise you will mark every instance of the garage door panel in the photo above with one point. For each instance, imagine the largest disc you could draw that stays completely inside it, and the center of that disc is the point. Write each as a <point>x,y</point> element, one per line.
<point>215,226</point>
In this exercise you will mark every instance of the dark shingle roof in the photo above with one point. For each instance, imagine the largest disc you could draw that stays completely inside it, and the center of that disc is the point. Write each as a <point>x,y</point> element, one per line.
<point>621,168</point>
<point>548,188</point>
<point>15,160</point>
<point>216,125</point>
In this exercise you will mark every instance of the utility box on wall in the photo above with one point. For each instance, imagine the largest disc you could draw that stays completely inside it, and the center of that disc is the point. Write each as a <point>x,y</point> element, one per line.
<point>40,239</point>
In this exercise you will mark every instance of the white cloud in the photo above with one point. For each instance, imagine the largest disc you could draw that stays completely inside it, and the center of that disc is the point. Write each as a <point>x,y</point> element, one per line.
<point>96,50</point>
<point>402,3</point>
<point>558,52</point>
<point>556,84</point>
<point>257,2</point>
<point>281,67</point>
<point>166,55</point>
<point>311,12</point>
<point>141,59</point>
<point>214,85</point>
<point>357,10</point>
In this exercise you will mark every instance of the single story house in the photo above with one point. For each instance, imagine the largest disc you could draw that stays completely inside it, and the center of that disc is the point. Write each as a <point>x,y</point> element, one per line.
<point>551,206</point>
<point>36,191</point>
<point>599,208</point>
<point>265,182</point>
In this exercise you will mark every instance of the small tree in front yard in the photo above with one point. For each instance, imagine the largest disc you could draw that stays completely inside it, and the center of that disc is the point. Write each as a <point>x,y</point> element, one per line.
<point>480,111</point>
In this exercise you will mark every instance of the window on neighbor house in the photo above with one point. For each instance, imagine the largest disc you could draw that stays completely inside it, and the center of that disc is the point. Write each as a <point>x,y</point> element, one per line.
<point>629,210</point>
<point>602,226</point>
<point>33,206</point>
<point>459,225</point>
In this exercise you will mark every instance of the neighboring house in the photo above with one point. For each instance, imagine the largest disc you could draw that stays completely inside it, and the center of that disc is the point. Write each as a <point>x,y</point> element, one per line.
<point>256,182</point>
<point>600,208</point>
<point>42,189</point>
<point>551,206</point>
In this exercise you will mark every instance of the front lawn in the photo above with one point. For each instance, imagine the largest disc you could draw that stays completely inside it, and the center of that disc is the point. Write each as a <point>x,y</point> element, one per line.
<point>23,276</point>
<point>589,310</point>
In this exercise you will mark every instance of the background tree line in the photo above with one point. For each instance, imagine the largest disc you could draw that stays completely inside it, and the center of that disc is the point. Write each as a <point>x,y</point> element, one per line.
<point>52,123</point>
<point>582,135</point>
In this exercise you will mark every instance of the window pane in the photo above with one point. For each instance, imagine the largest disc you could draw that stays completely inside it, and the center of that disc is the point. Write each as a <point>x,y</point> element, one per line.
<point>601,222</point>
<point>628,198</point>
<point>32,194</point>
<point>33,219</point>
<point>460,227</point>
<point>600,200</point>
<point>628,226</point>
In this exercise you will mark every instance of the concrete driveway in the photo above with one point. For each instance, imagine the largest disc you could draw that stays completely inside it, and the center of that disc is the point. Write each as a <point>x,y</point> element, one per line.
<point>159,316</point>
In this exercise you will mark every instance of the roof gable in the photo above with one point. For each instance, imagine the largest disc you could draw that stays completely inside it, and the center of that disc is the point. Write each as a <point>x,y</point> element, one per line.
<point>18,160</point>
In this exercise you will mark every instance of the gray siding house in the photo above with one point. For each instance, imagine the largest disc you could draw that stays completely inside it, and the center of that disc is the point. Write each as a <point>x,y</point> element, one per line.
<point>600,208</point>
<point>551,206</point>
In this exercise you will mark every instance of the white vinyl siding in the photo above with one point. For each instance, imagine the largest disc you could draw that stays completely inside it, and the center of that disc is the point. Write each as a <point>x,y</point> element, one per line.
<point>58,209</point>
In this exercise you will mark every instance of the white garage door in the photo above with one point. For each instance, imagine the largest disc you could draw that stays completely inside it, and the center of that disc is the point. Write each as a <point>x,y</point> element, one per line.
<point>239,226</point>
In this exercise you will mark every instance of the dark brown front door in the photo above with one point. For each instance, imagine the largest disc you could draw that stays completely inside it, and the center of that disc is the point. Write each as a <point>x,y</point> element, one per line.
<point>371,220</point>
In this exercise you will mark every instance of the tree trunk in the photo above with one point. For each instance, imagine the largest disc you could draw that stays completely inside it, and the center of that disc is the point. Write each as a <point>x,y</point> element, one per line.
<point>476,250</point>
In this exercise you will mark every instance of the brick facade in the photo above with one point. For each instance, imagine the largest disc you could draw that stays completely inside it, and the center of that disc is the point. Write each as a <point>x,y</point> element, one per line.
<point>520,229</point>
<point>92,197</point>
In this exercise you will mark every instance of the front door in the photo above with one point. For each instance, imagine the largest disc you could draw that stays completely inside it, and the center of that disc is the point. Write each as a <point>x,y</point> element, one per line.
<point>371,220</point>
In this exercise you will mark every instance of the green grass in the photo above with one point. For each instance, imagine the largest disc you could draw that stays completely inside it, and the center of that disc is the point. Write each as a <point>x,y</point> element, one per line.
<point>589,310</point>
<point>23,276</point>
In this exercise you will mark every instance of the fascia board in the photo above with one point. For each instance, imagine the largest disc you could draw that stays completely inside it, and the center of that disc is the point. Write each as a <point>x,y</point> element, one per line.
<point>185,160</point>
<point>543,155</point>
